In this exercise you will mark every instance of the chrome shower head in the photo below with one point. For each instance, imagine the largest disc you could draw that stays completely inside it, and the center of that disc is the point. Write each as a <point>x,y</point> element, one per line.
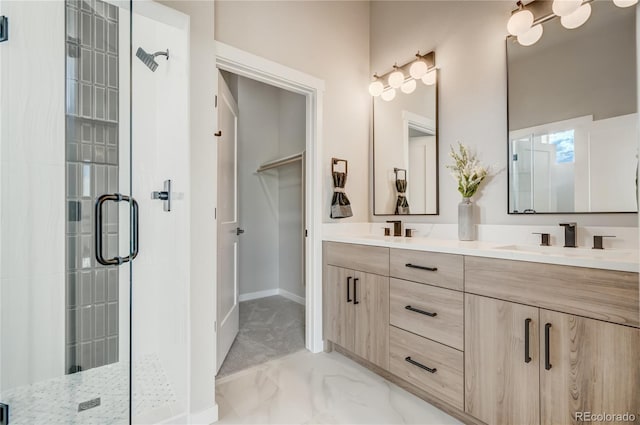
<point>149,59</point>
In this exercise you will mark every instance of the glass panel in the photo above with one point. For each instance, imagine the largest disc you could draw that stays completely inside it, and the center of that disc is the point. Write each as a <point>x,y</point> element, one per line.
<point>64,323</point>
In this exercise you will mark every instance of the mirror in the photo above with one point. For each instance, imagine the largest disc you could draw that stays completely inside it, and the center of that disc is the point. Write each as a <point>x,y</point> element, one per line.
<point>573,124</point>
<point>405,153</point>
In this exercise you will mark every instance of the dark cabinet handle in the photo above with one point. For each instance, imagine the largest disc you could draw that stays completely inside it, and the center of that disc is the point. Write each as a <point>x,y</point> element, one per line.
<point>348,290</point>
<point>547,355</point>
<point>420,365</point>
<point>413,266</point>
<point>355,291</point>
<point>527,356</point>
<point>115,261</point>
<point>416,310</point>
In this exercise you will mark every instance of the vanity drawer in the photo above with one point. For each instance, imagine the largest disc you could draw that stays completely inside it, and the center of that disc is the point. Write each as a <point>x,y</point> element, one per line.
<point>445,381</point>
<point>372,259</point>
<point>433,268</point>
<point>447,326</point>
<point>599,294</point>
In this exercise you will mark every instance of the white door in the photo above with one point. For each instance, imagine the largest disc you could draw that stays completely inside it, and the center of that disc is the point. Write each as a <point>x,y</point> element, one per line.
<point>228,309</point>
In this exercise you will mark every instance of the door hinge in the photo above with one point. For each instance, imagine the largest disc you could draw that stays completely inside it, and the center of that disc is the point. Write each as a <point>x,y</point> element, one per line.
<point>4,414</point>
<point>306,233</point>
<point>216,101</point>
<point>4,28</point>
<point>515,156</point>
<point>215,326</point>
<point>215,213</point>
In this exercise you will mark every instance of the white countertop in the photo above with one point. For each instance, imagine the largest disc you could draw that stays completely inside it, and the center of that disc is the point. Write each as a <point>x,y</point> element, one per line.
<point>610,259</point>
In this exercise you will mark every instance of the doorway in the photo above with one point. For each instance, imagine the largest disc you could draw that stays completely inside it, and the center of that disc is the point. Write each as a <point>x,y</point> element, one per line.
<point>261,245</point>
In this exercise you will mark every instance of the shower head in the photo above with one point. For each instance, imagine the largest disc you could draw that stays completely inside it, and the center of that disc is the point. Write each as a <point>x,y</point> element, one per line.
<point>149,59</point>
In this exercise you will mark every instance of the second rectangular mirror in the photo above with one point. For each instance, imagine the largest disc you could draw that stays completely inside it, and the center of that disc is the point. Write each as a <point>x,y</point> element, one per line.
<point>405,150</point>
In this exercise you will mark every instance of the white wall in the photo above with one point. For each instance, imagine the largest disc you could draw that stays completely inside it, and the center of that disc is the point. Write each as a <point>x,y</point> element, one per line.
<point>329,40</point>
<point>469,40</point>
<point>203,87</point>
<point>271,125</point>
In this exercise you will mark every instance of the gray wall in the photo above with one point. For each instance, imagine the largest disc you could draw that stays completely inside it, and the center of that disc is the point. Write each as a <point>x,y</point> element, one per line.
<point>469,40</point>
<point>271,125</point>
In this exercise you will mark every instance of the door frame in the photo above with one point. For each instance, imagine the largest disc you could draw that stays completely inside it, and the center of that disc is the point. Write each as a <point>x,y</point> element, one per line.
<point>257,68</point>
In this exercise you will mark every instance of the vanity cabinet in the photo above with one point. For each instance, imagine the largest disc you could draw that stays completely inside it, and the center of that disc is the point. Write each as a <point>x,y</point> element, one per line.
<point>529,365</point>
<point>357,313</point>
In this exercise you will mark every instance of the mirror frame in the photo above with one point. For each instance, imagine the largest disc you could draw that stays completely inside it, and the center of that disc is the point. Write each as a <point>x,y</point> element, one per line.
<point>509,39</point>
<point>373,157</point>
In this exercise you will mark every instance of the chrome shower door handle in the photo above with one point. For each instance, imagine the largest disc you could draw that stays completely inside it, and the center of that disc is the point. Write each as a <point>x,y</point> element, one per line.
<point>116,197</point>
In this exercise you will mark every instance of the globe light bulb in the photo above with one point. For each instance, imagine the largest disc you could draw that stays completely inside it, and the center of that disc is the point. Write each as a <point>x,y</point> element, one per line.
<point>429,78</point>
<point>577,18</point>
<point>388,94</point>
<point>532,36</point>
<point>520,22</point>
<point>625,3</point>
<point>418,69</point>
<point>408,86</point>
<point>396,78</point>
<point>376,88</point>
<point>565,7</point>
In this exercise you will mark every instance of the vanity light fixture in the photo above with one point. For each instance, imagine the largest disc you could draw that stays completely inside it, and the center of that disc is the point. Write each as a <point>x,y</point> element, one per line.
<point>528,28</point>
<point>405,77</point>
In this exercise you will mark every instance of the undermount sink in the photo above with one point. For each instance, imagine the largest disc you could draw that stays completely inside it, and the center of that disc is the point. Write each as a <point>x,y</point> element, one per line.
<point>572,252</point>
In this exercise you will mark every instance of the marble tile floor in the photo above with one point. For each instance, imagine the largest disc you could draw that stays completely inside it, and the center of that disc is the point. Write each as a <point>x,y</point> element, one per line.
<point>270,327</point>
<point>324,388</point>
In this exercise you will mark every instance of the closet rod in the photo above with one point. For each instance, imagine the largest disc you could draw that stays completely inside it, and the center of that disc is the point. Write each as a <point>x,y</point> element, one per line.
<point>280,162</point>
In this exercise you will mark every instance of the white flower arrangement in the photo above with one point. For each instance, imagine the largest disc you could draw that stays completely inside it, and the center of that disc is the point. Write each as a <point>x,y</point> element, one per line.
<point>466,170</point>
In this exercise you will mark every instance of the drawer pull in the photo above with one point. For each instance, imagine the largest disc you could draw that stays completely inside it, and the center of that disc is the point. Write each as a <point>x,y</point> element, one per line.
<point>416,310</point>
<point>527,325</point>
<point>420,365</point>
<point>413,266</point>
<point>348,290</point>
<point>355,291</point>
<point>547,353</point>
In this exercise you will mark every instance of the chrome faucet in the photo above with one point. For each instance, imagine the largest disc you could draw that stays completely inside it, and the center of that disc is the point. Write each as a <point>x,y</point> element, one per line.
<point>397,227</point>
<point>570,234</point>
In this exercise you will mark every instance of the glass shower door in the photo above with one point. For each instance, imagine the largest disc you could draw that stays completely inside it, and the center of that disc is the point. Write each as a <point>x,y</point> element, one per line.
<point>64,269</point>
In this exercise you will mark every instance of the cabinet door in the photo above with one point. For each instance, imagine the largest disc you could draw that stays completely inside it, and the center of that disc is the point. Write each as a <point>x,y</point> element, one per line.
<point>339,320</point>
<point>501,377</point>
<point>371,301</point>
<point>593,367</point>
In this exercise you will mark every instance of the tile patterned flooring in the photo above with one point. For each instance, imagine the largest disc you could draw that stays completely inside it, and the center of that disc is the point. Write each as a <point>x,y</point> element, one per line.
<point>324,388</point>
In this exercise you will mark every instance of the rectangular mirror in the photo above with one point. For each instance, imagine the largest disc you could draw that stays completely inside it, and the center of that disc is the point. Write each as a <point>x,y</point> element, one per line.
<point>405,152</point>
<point>573,123</point>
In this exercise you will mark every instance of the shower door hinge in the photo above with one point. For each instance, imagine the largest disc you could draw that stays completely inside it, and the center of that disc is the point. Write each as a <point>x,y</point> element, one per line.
<point>4,414</point>
<point>4,36</point>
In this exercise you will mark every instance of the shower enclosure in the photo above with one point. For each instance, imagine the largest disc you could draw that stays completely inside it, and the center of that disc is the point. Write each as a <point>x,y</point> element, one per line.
<point>94,268</point>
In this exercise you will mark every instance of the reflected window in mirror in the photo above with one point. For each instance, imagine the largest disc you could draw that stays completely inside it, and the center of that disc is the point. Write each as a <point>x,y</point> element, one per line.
<point>405,148</point>
<point>573,122</point>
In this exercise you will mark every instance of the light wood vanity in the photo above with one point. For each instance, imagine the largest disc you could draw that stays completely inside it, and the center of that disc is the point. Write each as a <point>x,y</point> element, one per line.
<point>488,340</point>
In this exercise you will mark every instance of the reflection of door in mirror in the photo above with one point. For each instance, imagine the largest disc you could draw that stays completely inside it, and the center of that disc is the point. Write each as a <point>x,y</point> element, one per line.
<point>421,148</point>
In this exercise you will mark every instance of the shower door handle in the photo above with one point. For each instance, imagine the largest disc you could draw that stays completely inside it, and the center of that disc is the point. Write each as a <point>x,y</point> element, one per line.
<point>115,197</point>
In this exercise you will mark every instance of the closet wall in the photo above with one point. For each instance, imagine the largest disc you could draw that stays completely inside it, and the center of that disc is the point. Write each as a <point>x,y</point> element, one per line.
<point>271,125</point>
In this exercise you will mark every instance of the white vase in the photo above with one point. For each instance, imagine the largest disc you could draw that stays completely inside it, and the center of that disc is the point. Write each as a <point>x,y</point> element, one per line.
<point>466,226</point>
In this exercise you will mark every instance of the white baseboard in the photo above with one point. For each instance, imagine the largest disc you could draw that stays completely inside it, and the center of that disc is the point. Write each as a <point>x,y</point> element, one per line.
<point>260,294</point>
<point>270,293</point>
<point>293,297</point>
<point>205,417</point>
